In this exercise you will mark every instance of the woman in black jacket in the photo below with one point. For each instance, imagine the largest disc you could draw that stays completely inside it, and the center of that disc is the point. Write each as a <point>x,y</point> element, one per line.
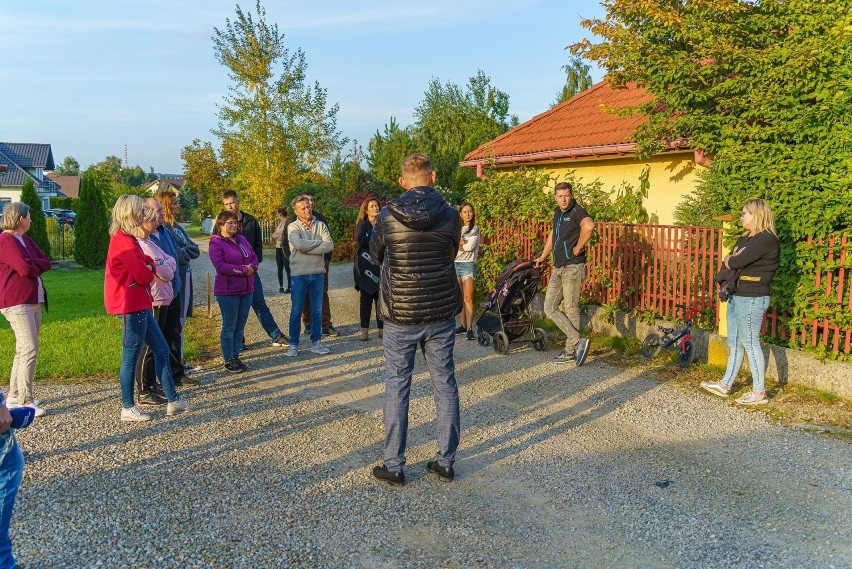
<point>755,256</point>
<point>366,271</point>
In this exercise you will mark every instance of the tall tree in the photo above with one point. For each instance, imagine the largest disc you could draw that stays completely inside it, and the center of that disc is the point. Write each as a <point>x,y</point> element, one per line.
<point>452,121</point>
<point>38,225</point>
<point>763,88</point>
<point>205,176</point>
<point>68,167</point>
<point>388,150</point>
<point>275,127</point>
<point>91,226</point>
<point>577,80</point>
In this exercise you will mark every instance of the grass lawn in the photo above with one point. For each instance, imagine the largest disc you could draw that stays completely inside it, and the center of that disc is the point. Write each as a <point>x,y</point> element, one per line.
<point>78,340</point>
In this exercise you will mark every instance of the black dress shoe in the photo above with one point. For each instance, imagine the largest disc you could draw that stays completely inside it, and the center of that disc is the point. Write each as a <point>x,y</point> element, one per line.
<point>445,473</point>
<point>330,331</point>
<point>392,478</point>
<point>183,379</point>
<point>151,399</point>
<point>233,366</point>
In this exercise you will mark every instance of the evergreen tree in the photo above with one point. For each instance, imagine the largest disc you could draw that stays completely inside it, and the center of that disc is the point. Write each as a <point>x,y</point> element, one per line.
<point>92,222</point>
<point>38,227</point>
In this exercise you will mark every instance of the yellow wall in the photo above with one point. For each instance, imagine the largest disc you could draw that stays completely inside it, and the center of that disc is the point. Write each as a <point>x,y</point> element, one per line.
<point>672,176</point>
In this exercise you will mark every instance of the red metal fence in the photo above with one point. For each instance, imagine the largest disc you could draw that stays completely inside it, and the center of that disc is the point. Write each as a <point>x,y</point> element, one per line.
<point>655,267</point>
<point>831,327</point>
<point>649,267</point>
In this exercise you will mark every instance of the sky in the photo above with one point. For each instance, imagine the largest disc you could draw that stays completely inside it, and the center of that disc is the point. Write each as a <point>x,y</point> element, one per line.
<point>91,76</point>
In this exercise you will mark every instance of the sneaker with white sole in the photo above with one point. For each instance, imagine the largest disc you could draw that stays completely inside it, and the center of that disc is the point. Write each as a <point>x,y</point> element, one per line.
<point>179,405</point>
<point>715,388</point>
<point>11,404</point>
<point>280,341</point>
<point>564,356</point>
<point>189,368</point>
<point>320,348</point>
<point>134,414</point>
<point>292,351</point>
<point>752,398</point>
<point>581,348</point>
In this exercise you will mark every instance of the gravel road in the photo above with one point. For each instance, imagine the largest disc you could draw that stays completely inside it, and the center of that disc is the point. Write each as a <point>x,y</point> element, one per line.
<point>558,467</point>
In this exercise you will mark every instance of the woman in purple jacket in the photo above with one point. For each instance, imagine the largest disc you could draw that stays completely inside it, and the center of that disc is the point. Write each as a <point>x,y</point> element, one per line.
<point>235,263</point>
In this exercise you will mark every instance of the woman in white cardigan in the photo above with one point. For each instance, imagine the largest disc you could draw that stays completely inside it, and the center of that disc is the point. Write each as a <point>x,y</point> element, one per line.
<point>466,267</point>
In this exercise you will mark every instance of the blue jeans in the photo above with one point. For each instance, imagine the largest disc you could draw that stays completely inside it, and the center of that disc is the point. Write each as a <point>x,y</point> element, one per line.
<point>400,344</point>
<point>564,288</point>
<point>235,311</point>
<point>745,317</point>
<point>141,328</point>
<point>11,470</point>
<point>258,303</point>
<point>302,286</point>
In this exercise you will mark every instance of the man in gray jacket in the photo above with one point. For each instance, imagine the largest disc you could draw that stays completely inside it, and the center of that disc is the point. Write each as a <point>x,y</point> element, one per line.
<point>415,240</point>
<point>309,240</point>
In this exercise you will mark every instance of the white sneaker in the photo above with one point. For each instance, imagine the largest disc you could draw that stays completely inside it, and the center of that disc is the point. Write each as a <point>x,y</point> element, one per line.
<point>320,348</point>
<point>715,388</point>
<point>752,398</point>
<point>179,405</point>
<point>11,404</point>
<point>39,411</point>
<point>134,414</point>
<point>292,351</point>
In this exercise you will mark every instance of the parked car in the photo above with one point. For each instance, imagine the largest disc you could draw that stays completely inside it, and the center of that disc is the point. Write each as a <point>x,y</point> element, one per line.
<point>62,216</point>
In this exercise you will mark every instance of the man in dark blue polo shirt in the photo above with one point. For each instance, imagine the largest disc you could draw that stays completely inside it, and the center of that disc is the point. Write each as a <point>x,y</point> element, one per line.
<point>572,229</point>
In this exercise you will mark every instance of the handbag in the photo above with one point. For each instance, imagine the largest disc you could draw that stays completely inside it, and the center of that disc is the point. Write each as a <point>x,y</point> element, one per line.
<point>727,280</point>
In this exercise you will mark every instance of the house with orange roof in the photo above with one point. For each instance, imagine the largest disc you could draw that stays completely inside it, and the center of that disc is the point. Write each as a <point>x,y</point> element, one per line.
<point>582,136</point>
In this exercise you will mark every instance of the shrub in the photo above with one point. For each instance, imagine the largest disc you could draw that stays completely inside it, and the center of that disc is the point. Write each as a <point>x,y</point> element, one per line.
<point>91,225</point>
<point>38,227</point>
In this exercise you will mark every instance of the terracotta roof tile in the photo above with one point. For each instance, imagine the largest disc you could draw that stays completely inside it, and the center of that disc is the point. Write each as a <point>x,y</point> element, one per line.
<point>580,122</point>
<point>68,185</point>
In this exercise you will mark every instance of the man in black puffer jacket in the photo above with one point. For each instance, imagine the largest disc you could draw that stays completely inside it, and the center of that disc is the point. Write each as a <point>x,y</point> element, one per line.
<point>415,240</point>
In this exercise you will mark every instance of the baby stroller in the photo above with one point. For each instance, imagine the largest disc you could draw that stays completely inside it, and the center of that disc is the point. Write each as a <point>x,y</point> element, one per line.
<point>506,315</point>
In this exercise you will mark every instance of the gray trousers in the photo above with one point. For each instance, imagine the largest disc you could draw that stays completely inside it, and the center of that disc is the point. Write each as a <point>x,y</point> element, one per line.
<point>400,344</point>
<point>564,288</point>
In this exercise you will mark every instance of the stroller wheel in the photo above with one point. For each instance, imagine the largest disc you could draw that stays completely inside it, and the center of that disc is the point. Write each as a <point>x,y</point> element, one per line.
<point>539,339</point>
<point>483,338</point>
<point>501,343</point>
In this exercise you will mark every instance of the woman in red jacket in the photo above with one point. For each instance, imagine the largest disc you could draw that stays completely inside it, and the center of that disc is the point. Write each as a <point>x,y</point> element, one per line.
<point>129,274</point>
<point>21,295</point>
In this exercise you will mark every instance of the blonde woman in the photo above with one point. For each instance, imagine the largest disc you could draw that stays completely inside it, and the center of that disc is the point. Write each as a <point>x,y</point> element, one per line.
<point>162,295</point>
<point>127,280</point>
<point>755,256</point>
<point>22,295</point>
